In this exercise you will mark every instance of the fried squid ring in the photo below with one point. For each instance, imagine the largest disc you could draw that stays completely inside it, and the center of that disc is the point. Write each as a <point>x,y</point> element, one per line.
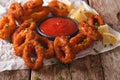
<point>33,3</point>
<point>20,40</point>
<point>34,14</point>
<point>15,10</point>
<point>7,26</point>
<point>29,11</point>
<point>26,25</point>
<point>30,48</point>
<point>95,20</point>
<point>63,50</point>
<point>89,31</point>
<point>58,8</point>
<point>80,42</point>
<point>46,45</point>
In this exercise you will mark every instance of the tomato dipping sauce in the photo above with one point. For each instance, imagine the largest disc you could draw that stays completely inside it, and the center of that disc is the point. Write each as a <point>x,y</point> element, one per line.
<point>58,26</point>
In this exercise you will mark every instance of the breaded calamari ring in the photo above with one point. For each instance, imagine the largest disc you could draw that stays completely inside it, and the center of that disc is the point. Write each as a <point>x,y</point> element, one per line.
<point>30,48</point>
<point>58,8</point>
<point>34,14</point>
<point>26,25</point>
<point>7,26</point>
<point>28,10</point>
<point>46,45</point>
<point>89,31</point>
<point>33,3</point>
<point>95,20</point>
<point>80,42</point>
<point>15,10</point>
<point>63,50</point>
<point>20,40</point>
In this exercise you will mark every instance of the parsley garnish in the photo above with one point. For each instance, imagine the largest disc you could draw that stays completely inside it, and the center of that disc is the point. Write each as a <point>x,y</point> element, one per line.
<point>96,26</point>
<point>54,62</point>
<point>68,79</point>
<point>41,46</point>
<point>95,50</point>
<point>36,78</point>
<point>72,70</point>
<point>31,20</point>
<point>33,14</point>
<point>84,41</point>
<point>6,26</point>
<point>60,77</point>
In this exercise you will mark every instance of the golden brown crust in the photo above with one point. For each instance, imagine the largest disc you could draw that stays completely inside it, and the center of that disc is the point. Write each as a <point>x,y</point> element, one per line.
<point>24,33</point>
<point>58,8</point>
<point>46,45</point>
<point>80,42</point>
<point>95,20</point>
<point>30,48</point>
<point>19,41</point>
<point>33,3</point>
<point>63,50</point>
<point>15,10</point>
<point>89,31</point>
<point>7,26</point>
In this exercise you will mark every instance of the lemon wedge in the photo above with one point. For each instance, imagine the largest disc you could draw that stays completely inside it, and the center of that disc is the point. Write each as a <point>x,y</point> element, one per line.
<point>88,13</point>
<point>109,39</point>
<point>79,17</point>
<point>77,14</point>
<point>103,29</point>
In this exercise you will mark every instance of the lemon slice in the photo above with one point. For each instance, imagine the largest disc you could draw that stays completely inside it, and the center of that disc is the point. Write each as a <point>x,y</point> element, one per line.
<point>103,29</point>
<point>77,14</point>
<point>75,11</point>
<point>88,13</point>
<point>109,39</point>
<point>79,17</point>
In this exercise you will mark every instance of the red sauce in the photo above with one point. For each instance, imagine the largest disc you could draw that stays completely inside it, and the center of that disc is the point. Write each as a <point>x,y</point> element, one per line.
<point>58,27</point>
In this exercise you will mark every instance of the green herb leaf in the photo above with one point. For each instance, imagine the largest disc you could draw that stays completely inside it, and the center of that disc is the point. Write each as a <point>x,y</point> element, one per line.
<point>60,77</point>
<point>72,70</point>
<point>96,26</point>
<point>68,79</point>
<point>6,26</point>
<point>84,41</point>
<point>31,20</point>
<point>54,62</point>
<point>92,65</point>
<point>95,50</point>
<point>41,46</point>
<point>33,14</point>
<point>36,78</point>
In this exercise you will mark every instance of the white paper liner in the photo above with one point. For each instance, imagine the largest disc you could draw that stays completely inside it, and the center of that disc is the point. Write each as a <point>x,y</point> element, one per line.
<point>8,60</point>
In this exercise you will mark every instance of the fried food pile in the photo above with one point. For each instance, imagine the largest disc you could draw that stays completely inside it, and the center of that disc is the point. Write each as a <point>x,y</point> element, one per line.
<point>33,48</point>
